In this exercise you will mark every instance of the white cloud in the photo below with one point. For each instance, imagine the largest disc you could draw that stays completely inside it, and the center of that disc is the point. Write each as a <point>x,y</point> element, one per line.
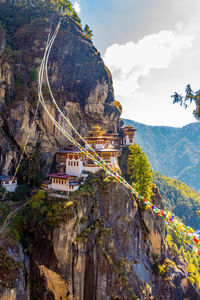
<point>179,26</point>
<point>131,62</point>
<point>77,7</point>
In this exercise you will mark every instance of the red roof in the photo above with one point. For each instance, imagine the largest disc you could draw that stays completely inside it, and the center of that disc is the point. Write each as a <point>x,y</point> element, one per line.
<point>129,128</point>
<point>59,175</point>
<point>47,181</point>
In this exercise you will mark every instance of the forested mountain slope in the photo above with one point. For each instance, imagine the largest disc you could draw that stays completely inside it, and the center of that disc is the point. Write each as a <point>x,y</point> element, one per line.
<point>179,198</point>
<point>175,152</point>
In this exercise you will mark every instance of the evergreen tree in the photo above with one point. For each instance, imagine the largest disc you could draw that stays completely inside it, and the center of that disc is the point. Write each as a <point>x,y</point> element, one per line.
<point>190,97</point>
<point>88,32</point>
<point>140,172</point>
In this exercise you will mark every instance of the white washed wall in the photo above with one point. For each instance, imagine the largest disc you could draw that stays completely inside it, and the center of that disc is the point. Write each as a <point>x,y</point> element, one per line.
<point>74,170</point>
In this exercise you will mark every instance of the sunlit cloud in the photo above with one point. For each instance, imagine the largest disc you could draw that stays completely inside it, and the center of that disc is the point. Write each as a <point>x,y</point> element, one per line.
<point>131,62</point>
<point>77,7</point>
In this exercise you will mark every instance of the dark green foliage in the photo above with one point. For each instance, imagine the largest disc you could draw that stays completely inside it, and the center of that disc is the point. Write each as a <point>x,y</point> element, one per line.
<point>38,218</point>
<point>88,32</point>
<point>2,192</point>
<point>22,191</point>
<point>190,97</point>
<point>4,211</point>
<point>30,171</point>
<point>33,75</point>
<point>16,13</point>
<point>173,152</point>
<point>140,173</point>
<point>19,80</point>
<point>179,198</point>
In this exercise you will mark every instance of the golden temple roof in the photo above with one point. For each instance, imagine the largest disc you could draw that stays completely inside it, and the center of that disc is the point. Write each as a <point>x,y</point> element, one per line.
<point>97,131</point>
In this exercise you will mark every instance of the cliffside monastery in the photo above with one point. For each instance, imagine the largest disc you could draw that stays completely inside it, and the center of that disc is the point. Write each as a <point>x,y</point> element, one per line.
<point>73,165</point>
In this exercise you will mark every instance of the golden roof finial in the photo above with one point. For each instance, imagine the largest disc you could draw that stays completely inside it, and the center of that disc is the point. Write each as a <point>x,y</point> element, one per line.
<point>96,127</point>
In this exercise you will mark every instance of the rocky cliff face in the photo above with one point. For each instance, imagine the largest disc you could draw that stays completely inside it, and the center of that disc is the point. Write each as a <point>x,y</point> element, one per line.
<point>81,83</point>
<point>106,247</point>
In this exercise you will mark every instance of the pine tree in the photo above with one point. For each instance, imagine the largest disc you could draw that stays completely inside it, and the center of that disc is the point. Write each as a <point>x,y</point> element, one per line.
<point>88,32</point>
<point>140,172</point>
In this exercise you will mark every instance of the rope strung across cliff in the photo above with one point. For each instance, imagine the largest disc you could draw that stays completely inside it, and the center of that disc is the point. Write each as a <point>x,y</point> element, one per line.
<point>170,220</point>
<point>97,159</point>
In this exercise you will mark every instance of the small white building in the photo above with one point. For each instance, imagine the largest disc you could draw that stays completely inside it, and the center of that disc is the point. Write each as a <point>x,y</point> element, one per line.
<point>8,182</point>
<point>128,135</point>
<point>63,182</point>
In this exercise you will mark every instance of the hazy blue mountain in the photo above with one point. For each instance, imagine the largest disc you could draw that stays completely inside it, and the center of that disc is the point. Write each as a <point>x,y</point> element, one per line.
<point>175,152</point>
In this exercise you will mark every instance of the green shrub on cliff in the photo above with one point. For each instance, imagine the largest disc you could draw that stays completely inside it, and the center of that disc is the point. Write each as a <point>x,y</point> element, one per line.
<point>140,172</point>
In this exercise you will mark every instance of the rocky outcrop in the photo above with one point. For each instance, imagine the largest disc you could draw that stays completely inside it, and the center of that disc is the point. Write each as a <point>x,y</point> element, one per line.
<point>107,248</point>
<point>80,81</point>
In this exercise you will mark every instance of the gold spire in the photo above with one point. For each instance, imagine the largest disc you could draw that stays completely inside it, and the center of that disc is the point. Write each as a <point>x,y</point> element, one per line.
<point>96,127</point>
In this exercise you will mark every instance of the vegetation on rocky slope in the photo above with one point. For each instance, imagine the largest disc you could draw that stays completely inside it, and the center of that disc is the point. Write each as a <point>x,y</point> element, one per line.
<point>179,250</point>
<point>179,198</point>
<point>15,14</point>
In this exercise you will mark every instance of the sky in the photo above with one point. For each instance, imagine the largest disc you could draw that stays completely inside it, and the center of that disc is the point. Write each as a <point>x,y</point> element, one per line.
<point>152,48</point>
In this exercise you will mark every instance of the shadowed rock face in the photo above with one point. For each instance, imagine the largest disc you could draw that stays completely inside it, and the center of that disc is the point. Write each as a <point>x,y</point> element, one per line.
<point>80,81</point>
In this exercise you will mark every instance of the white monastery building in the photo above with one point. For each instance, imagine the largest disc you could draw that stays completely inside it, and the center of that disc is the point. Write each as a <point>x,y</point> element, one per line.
<point>73,165</point>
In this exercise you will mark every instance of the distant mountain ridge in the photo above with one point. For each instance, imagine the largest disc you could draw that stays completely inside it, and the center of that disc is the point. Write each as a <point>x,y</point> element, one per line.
<point>175,152</point>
